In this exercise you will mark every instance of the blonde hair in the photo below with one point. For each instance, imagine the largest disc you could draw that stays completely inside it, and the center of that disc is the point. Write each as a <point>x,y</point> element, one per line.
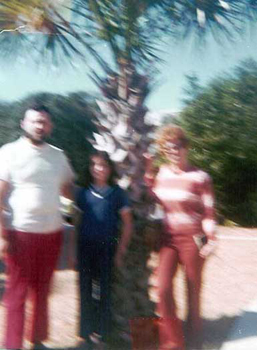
<point>171,133</point>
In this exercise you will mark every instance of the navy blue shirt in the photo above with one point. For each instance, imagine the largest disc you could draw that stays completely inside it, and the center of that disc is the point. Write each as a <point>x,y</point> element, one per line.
<point>100,212</point>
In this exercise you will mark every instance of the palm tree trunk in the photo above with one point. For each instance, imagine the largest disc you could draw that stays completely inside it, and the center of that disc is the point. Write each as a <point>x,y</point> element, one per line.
<point>125,134</point>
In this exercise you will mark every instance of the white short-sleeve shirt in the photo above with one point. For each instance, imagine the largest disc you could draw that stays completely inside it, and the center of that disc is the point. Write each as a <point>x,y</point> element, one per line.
<point>36,175</point>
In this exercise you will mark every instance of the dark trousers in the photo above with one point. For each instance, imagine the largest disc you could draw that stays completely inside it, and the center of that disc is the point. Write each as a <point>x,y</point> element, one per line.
<point>30,265</point>
<point>95,267</point>
<point>181,250</point>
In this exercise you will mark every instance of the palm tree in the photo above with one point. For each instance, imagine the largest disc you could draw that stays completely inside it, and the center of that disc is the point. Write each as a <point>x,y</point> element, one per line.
<point>130,31</point>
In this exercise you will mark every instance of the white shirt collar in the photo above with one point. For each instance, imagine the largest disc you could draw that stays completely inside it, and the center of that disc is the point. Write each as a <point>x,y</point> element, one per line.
<point>25,141</point>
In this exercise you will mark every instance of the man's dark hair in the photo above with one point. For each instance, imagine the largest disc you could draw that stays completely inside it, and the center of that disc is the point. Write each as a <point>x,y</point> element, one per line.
<point>39,107</point>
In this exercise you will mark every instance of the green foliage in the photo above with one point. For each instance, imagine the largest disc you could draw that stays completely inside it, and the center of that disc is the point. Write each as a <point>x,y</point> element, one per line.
<point>132,29</point>
<point>72,116</point>
<point>221,122</point>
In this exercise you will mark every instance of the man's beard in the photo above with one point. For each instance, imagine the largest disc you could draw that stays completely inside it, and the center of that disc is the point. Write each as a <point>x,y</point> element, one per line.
<point>36,142</point>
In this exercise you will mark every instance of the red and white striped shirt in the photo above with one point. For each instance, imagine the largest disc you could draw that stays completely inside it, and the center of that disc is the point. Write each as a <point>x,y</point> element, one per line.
<point>188,201</point>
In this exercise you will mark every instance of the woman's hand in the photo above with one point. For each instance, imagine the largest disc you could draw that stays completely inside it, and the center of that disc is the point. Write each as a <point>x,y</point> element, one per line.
<point>149,175</point>
<point>148,157</point>
<point>208,248</point>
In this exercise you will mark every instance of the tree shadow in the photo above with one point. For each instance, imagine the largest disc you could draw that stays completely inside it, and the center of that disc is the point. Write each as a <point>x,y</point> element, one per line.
<point>246,328</point>
<point>215,332</point>
<point>112,346</point>
<point>62,348</point>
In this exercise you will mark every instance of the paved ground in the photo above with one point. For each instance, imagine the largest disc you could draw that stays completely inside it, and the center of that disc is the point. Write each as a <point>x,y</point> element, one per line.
<point>243,335</point>
<point>229,286</point>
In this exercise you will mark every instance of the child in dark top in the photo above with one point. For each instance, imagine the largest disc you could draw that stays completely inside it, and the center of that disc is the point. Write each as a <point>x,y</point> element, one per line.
<point>104,206</point>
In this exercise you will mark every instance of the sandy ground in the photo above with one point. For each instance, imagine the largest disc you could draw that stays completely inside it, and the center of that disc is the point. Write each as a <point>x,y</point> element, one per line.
<point>229,284</point>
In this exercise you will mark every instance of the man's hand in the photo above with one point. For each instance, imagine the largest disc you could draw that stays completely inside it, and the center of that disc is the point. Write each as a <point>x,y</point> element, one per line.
<point>67,190</point>
<point>72,263</point>
<point>4,248</point>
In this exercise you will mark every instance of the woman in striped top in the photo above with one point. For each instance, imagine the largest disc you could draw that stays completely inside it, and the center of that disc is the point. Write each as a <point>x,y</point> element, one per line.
<point>187,198</point>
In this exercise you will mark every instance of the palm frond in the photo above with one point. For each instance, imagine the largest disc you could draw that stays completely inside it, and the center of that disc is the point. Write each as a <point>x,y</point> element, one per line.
<point>38,25</point>
<point>251,9</point>
<point>133,29</point>
<point>206,16</point>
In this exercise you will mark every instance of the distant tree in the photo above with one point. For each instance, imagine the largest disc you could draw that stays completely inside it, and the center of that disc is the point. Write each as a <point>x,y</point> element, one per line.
<point>221,122</point>
<point>8,123</point>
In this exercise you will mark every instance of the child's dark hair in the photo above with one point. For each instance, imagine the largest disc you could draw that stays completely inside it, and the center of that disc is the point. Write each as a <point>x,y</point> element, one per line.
<point>112,180</point>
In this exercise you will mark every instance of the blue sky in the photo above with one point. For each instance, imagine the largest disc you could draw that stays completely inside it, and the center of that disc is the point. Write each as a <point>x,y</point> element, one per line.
<point>207,62</point>
<point>212,59</point>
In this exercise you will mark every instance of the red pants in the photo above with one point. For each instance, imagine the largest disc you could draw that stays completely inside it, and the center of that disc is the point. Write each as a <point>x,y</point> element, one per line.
<point>30,265</point>
<point>181,250</point>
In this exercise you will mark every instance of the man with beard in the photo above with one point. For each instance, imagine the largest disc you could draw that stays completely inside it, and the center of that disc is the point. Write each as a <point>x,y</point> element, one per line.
<point>33,175</point>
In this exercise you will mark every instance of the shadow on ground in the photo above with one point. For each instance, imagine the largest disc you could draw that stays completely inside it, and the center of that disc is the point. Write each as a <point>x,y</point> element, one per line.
<point>77,348</point>
<point>216,332</point>
<point>117,346</point>
<point>247,328</point>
